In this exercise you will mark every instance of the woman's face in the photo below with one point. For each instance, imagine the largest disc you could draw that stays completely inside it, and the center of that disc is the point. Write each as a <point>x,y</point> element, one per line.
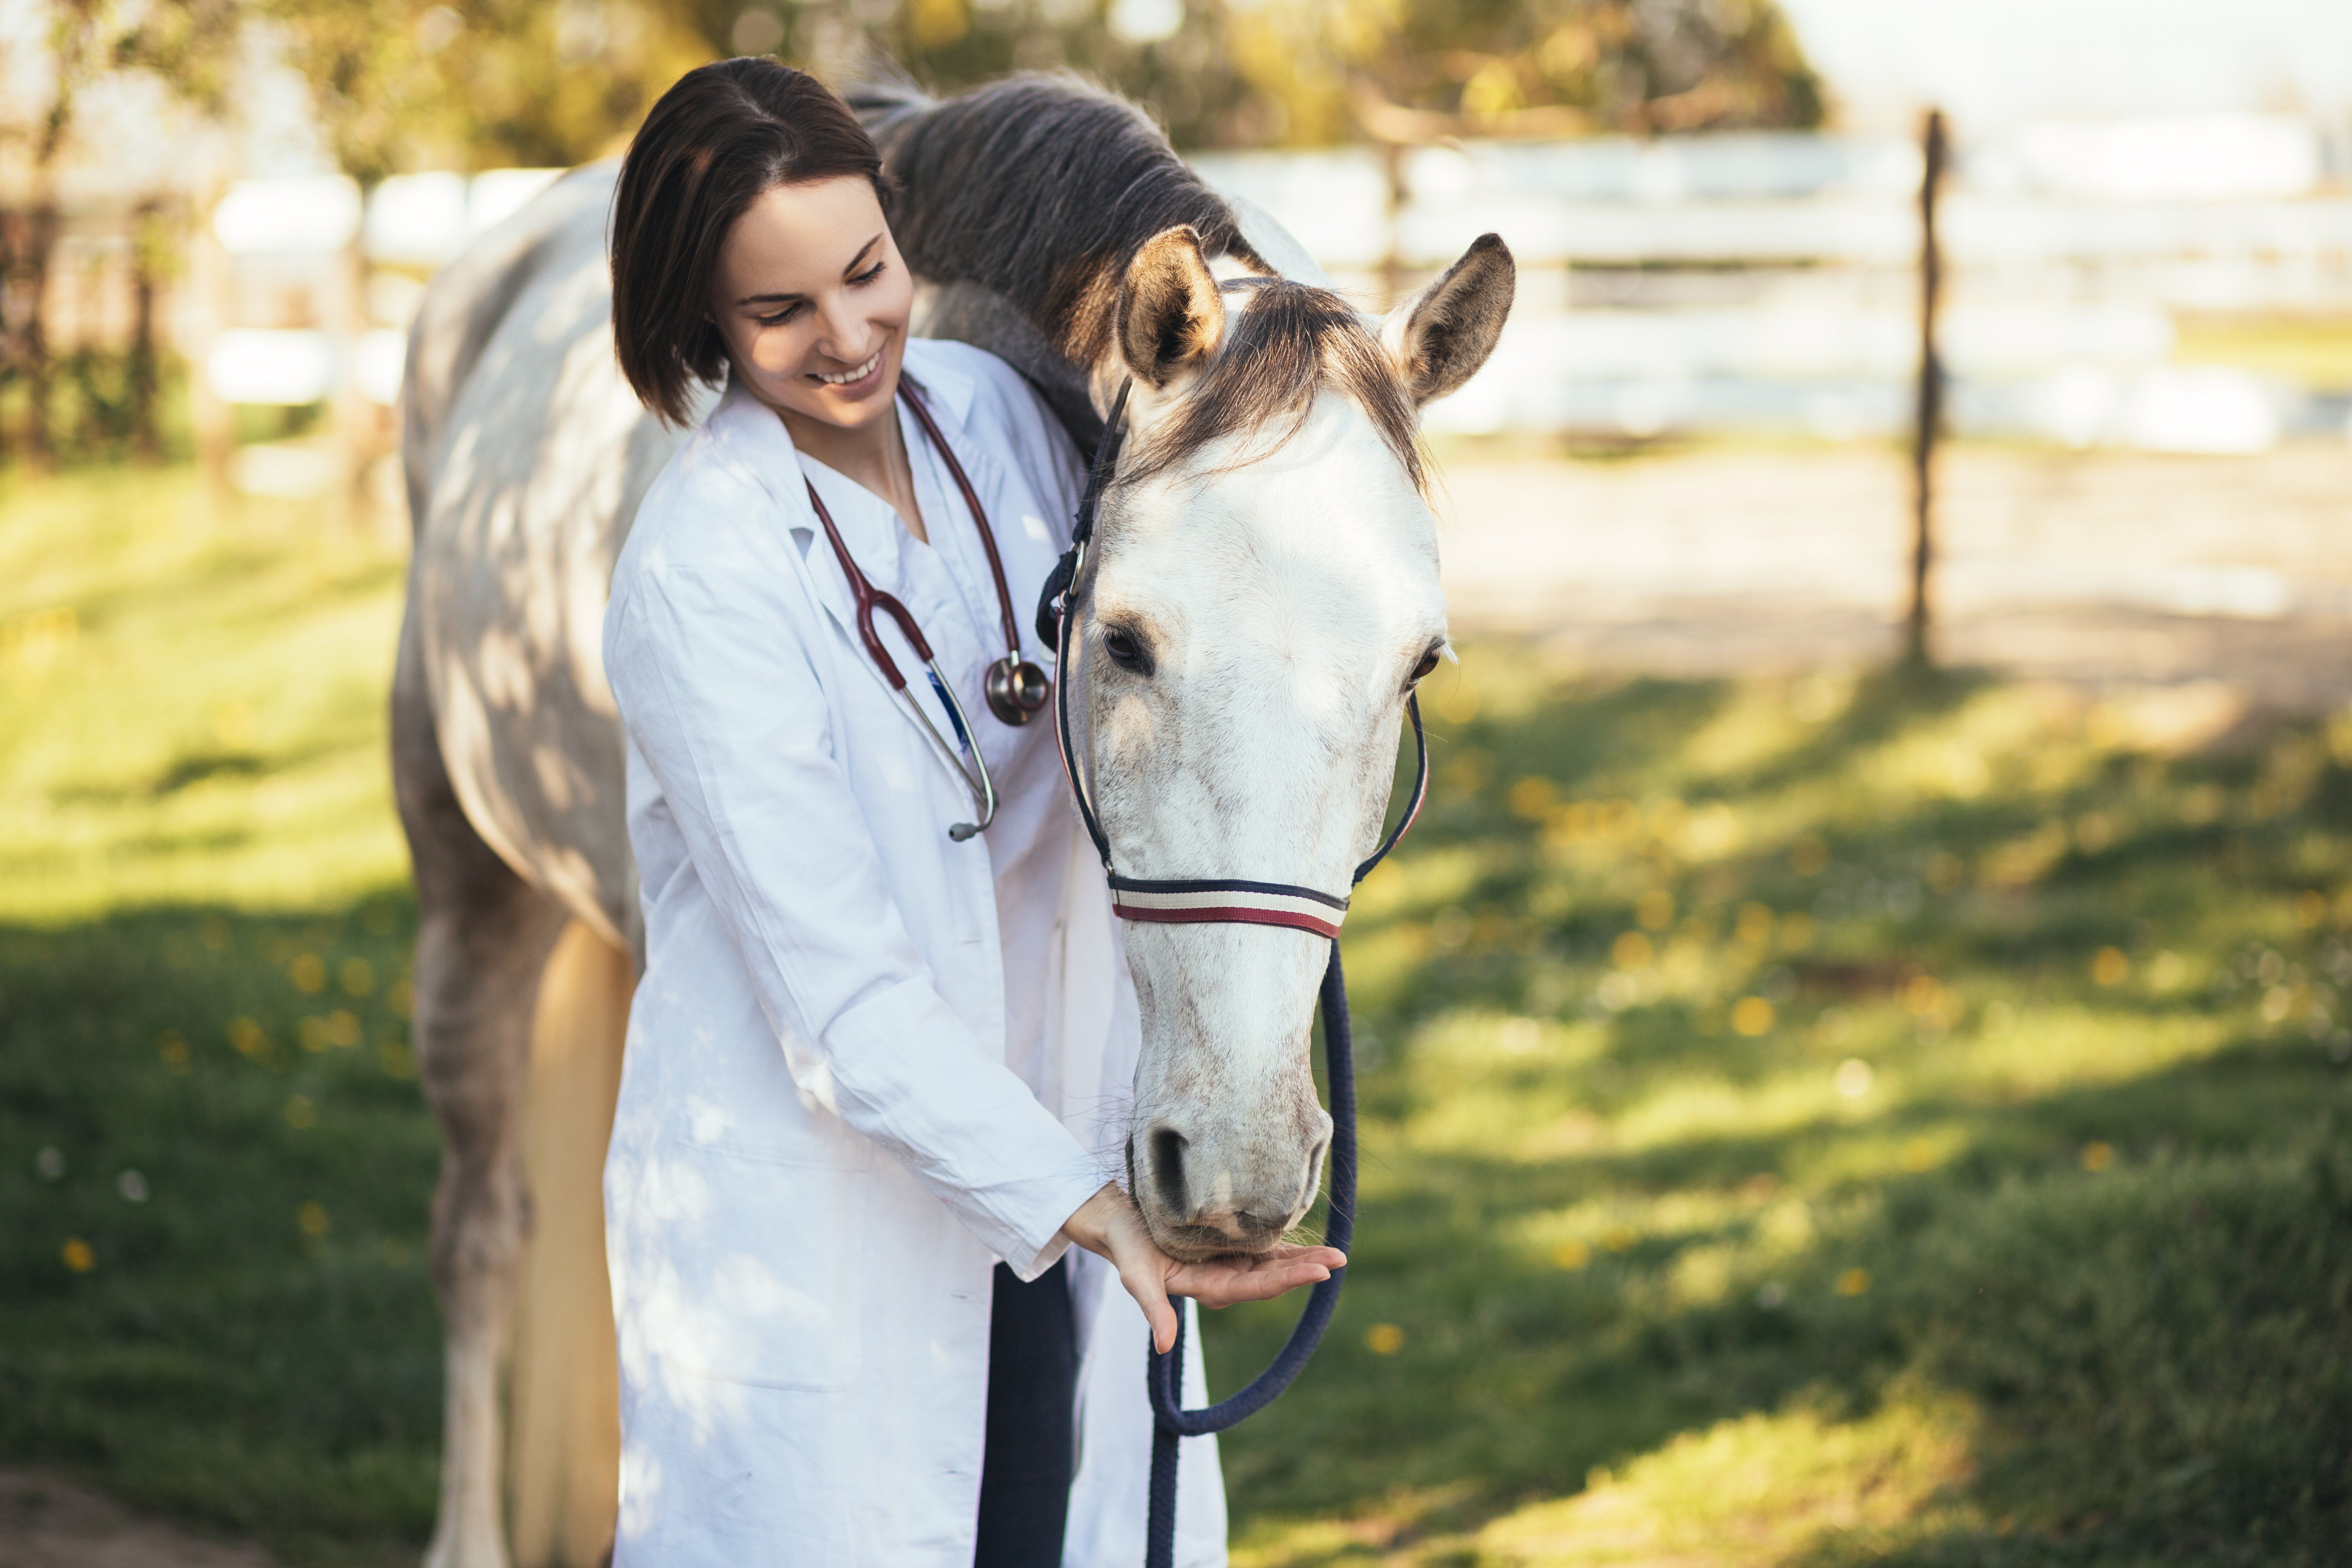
<point>811,299</point>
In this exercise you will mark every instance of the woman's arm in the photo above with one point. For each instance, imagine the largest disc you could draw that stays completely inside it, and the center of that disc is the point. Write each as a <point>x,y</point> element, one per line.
<point>724,705</point>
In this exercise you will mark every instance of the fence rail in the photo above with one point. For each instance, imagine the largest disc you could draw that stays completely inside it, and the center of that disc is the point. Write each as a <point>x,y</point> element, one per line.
<point>1770,281</point>
<point>1710,283</point>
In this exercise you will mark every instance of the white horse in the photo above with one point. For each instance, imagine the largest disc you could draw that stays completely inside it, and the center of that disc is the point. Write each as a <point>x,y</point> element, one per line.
<point>1262,599</point>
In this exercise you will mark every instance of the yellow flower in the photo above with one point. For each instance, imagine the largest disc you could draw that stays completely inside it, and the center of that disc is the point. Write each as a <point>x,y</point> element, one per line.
<point>1853,1282</point>
<point>1385,1339</point>
<point>1751,1015</point>
<point>79,1255</point>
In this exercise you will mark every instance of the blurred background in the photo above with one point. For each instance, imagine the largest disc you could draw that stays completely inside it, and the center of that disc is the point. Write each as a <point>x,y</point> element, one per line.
<point>1856,1061</point>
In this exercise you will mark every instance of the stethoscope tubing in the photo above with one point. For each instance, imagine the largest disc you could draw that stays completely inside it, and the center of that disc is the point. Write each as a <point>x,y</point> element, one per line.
<point>867,598</point>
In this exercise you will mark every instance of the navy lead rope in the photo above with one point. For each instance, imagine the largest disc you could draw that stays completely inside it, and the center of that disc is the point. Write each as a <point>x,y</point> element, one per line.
<point>1222,901</point>
<point>1165,1373</point>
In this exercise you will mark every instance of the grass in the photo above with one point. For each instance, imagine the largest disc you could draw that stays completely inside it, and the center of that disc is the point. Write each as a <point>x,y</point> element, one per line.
<point>214,1160</point>
<point>1887,1118</point>
<point>1855,1118</point>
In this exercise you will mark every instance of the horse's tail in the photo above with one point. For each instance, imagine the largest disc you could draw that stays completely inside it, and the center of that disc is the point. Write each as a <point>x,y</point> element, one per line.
<point>564,1442</point>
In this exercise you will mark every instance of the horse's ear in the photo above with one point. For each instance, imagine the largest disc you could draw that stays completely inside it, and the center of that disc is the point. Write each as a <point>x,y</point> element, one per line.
<point>1441,335</point>
<point>1170,318</point>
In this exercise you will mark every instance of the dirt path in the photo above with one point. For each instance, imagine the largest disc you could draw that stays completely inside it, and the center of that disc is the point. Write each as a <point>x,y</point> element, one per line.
<point>46,1522</point>
<point>2104,568</point>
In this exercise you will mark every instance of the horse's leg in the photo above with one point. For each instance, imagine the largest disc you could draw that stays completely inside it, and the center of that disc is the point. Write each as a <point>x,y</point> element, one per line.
<point>483,938</point>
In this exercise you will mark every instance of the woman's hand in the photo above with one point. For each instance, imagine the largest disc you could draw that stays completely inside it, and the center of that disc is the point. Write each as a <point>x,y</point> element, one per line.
<point>1109,1226</point>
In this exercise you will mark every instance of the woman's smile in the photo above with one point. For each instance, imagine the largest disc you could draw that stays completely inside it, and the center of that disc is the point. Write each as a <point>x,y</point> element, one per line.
<point>811,299</point>
<point>857,380</point>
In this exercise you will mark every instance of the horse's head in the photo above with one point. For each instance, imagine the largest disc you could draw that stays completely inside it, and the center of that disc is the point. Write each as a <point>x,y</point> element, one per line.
<point>1262,597</point>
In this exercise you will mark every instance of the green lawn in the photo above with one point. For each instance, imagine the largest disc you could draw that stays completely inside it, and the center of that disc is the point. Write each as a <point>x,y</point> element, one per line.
<point>1812,1121</point>
<point>214,1160</point>
<point>1888,1119</point>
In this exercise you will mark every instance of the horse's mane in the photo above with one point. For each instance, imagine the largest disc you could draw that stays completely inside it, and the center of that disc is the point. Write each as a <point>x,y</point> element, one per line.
<point>1040,188</point>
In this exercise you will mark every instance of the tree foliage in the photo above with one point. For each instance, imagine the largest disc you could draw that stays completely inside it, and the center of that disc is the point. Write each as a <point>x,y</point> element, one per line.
<point>1303,72</point>
<point>404,83</point>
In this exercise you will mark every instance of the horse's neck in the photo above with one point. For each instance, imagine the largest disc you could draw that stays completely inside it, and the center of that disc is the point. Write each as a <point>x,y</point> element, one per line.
<point>976,314</point>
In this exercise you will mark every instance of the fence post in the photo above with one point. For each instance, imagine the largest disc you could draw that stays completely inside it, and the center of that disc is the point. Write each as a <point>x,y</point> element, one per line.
<point>1929,405</point>
<point>211,421</point>
<point>1393,271</point>
<point>343,312</point>
<point>146,250</point>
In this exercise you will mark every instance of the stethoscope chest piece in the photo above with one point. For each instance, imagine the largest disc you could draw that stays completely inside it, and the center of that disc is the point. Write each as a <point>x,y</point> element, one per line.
<point>1017,690</point>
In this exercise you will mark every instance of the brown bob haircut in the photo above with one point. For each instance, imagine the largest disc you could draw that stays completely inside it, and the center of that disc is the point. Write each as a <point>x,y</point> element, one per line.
<point>725,134</point>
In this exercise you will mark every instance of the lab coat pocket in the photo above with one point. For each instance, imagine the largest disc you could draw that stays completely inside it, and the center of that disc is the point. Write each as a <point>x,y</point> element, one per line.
<point>780,1266</point>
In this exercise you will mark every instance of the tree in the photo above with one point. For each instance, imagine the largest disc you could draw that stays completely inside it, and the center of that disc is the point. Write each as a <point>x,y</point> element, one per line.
<point>1300,72</point>
<point>403,84</point>
<point>187,47</point>
<point>408,84</point>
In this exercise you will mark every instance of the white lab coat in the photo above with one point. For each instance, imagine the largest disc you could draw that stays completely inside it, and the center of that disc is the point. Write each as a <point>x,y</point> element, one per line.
<point>825,1138</point>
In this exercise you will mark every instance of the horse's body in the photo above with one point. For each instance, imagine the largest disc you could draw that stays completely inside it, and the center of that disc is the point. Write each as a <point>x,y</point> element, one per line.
<point>1039,216</point>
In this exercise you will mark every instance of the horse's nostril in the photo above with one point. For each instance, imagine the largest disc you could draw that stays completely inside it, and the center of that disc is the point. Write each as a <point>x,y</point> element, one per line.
<point>1167,1169</point>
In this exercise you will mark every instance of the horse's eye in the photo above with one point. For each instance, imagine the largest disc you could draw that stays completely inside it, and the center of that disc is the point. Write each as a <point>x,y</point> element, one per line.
<point>1428,662</point>
<point>1126,651</point>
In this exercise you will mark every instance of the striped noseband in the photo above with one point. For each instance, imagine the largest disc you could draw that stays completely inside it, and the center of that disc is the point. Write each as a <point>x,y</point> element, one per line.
<point>1196,901</point>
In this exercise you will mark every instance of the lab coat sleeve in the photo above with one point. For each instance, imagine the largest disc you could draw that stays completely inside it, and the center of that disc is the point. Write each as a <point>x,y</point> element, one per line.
<point>724,704</point>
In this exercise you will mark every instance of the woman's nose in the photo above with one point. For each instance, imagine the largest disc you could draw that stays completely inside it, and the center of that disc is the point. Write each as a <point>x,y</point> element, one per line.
<point>847,335</point>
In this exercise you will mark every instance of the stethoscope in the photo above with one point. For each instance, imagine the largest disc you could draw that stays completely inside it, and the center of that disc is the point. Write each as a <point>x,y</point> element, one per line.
<point>1017,689</point>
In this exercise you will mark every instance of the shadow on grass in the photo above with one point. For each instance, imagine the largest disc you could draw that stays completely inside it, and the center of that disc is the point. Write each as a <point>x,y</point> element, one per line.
<point>2152,1354</point>
<point>214,1174</point>
<point>2160,1351</point>
<point>2100,1199</point>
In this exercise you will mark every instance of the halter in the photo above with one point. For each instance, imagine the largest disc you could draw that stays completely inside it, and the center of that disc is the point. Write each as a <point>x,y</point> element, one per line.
<point>1223,901</point>
<point>1192,901</point>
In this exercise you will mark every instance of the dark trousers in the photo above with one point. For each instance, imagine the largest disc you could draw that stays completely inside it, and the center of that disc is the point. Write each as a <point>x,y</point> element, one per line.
<point>1032,1389</point>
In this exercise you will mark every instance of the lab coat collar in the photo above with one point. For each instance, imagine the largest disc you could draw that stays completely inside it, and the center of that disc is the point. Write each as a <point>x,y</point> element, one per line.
<point>751,432</point>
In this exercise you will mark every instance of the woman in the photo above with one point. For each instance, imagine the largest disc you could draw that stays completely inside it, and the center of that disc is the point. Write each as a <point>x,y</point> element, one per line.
<point>859,1125</point>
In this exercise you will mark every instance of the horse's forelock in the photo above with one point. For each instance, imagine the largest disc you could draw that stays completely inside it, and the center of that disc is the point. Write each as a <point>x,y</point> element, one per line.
<point>1291,342</point>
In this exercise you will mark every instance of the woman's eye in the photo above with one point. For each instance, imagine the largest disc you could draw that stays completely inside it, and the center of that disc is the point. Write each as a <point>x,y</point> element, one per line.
<point>871,273</point>
<point>1126,652</point>
<point>781,317</point>
<point>1428,662</point>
